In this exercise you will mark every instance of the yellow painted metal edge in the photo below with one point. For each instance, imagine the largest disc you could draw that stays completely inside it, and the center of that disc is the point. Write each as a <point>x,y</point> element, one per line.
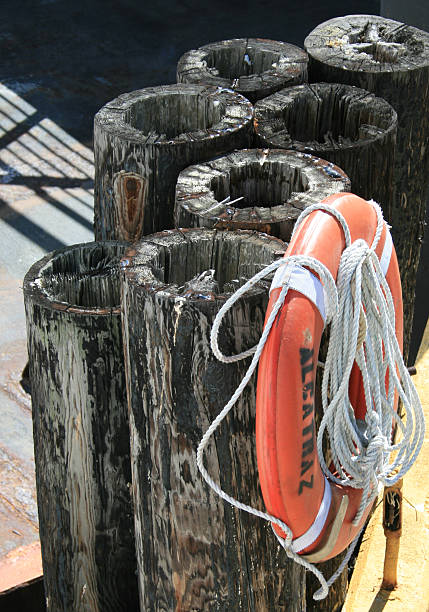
<point>412,594</point>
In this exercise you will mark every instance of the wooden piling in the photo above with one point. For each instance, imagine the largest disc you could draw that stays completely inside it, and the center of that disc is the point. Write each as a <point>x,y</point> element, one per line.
<point>196,552</point>
<point>81,433</point>
<point>143,139</point>
<point>253,67</point>
<point>391,60</point>
<point>346,125</point>
<point>274,187</point>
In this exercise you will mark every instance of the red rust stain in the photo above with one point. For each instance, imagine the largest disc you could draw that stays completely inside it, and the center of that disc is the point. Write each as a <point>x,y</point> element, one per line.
<point>192,196</point>
<point>20,565</point>
<point>132,191</point>
<point>130,195</point>
<point>179,584</point>
<point>231,224</point>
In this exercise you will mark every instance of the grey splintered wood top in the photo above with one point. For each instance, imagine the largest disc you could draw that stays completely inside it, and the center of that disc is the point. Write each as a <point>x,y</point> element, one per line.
<point>349,126</point>
<point>274,187</point>
<point>173,115</point>
<point>323,118</point>
<point>200,264</point>
<point>82,279</point>
<point>368,43</point>
<point>254,67</point>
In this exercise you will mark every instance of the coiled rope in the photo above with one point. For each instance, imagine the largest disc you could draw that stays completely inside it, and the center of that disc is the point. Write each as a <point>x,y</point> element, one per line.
<point>361,313</point>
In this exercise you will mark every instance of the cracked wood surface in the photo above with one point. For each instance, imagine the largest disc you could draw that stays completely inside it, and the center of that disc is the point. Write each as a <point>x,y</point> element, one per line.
<point>194,551</point>
<point>346,125</point>
<point>274,187</point>
<point>81,433</point>
<point>391,60</point>
<point>253,67</point>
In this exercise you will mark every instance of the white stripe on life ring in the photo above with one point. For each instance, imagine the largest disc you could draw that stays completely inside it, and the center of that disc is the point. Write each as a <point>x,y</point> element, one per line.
<point>311,535</point>
<point>387,252</point>
<point>302,280</point>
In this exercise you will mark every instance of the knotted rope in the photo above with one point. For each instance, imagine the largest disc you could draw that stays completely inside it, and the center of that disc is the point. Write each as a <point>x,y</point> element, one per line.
<point>361,313</point>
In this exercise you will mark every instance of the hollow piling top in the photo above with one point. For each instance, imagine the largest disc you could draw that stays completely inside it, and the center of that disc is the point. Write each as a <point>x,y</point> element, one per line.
<point>272,185</point>
<point>174,115</point>
<point>368,43</point>
<point>82,279</point>
<point>199,265</point>
<point>324,117</point>
<point>254,67</point>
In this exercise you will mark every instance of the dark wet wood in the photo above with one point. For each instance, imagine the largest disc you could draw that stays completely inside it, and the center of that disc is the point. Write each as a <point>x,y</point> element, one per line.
<point>275,187</point>
<point>81,432</point>
<point>253,67</point>
<point>391,60</point>
<point>337,591</point>
<point>196,552</point>
<point>346,125</point>
<point>143,139</point>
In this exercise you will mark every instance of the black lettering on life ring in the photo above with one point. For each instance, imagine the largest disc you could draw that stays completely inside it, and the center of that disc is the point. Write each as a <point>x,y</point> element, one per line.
<point>307,409</point>
<point>306,465</point>
<point>308,444</point>
<point>305,483</point>
<point>308,390</point>
<point>307,367</point>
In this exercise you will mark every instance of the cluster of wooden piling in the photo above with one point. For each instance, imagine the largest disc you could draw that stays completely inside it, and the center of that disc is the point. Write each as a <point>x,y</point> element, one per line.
<point>123,380</point>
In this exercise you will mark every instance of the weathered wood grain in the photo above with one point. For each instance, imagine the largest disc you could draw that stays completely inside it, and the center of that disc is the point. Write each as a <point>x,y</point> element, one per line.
<point>337,592</point>
<point>391,60</point>
<point>253,67</point>
<point>275,186</point>
<point>143,139</point>
<point>194,551</point>
<point>81,433</point>
<point>346,125</point>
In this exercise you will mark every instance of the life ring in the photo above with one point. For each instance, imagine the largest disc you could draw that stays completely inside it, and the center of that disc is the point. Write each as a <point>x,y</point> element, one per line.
<point>295,490</point>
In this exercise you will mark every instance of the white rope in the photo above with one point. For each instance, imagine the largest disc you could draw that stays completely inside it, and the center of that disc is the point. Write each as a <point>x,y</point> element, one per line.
<point>360,300</point>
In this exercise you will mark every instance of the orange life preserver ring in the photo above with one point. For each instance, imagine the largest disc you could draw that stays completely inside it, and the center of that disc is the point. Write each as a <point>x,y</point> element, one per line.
<point>295,490</point>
